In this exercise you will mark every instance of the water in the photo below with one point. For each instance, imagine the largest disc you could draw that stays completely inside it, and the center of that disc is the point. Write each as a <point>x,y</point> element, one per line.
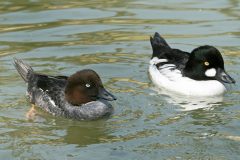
<point>112,37</point>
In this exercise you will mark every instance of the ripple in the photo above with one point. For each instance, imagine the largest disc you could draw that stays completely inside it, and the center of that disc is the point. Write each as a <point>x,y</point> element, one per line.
<point>25,17</point>
<point>112,37</point>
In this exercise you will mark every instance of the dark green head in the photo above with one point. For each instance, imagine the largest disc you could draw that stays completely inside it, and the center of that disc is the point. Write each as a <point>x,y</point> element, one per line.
<point>206,63</point>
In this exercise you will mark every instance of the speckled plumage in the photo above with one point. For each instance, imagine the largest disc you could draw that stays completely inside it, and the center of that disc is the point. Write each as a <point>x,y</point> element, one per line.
<point>47,92</point>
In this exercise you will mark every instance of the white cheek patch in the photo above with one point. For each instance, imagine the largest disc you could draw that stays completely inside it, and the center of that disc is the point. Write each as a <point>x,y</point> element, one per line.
<point>211,72</point>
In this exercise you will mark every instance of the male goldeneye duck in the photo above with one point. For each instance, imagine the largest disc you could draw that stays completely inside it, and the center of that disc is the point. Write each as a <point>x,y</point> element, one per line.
<point>199,73</point>
<point>80,96</point>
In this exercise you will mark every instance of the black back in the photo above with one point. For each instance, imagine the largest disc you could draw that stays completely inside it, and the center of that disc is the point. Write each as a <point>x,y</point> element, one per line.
<point>162,50</point>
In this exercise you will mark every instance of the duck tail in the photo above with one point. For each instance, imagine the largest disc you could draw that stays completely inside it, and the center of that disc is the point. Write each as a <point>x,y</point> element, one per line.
<point>158,44</point>
<point>24,70</point>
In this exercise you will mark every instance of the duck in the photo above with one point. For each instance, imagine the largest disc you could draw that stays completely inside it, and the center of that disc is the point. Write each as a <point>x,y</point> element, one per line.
<point>199,73</point>
<point>80,96</point>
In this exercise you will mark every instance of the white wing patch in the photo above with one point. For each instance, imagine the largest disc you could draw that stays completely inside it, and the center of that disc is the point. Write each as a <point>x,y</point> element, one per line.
<point>170,78</point>
<point>169,71</point>
<point>156,60</point>
<point>49,98</point>
<point>52,102</point>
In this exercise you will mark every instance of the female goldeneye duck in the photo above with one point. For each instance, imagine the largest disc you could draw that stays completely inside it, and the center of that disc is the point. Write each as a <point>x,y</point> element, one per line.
<point>80,96</point>
<point>199,73</point>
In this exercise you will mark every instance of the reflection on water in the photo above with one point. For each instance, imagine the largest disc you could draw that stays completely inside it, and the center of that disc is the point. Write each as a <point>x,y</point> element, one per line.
<point>84,134</point>
<point>112,37</point>
<point>188,103</point>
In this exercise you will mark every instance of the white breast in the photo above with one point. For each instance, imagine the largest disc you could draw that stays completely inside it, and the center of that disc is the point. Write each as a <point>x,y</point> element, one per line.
<point>170,78</point>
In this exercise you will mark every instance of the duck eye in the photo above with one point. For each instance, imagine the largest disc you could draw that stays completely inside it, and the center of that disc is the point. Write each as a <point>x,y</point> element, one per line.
<point>206,63</point>
<point>87,85</point>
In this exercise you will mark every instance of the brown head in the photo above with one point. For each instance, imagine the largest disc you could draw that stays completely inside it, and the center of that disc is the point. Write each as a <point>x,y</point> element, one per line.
<point>85,86</point>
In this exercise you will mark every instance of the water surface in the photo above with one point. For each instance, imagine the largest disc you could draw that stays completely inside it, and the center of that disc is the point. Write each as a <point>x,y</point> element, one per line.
<point>112,37</point>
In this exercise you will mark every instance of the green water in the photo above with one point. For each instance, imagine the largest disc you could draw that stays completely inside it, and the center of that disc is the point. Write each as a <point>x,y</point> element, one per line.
<point>112,37</point>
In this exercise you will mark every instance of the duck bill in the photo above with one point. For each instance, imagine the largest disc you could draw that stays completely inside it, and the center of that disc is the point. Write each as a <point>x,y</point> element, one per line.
<point>224,77</point>
<point>104,94</point>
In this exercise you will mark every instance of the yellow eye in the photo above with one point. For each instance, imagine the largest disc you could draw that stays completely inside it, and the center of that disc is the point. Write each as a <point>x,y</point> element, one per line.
<point>206,63</point>
<point>88,85</point>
